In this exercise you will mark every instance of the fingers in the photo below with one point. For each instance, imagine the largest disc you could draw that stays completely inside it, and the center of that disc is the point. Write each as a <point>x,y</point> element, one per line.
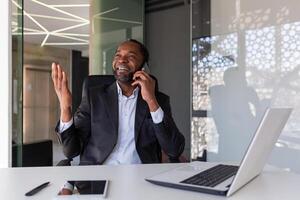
<point>146,84</point>
<point>54,74</point>
<point>65,191</point>
<point>59,77</point>
<point>142,79</point>
<point>138,82</point>
<point>64,81</point>
<point>142,75</point>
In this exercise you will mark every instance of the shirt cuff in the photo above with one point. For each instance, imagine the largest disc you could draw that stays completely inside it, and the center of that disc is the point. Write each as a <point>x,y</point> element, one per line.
<point>64,125</point>
<point>157,116</point>
<point>68,186</point>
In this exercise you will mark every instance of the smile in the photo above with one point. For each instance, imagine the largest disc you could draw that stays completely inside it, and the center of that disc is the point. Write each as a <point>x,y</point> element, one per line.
<point>122,68</point>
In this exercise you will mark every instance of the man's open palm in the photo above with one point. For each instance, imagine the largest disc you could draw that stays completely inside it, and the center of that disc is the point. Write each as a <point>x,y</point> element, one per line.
<point>63,93</point>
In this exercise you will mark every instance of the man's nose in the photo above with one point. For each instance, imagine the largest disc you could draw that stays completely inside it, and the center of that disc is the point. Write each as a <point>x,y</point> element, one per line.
<point>123,59</point>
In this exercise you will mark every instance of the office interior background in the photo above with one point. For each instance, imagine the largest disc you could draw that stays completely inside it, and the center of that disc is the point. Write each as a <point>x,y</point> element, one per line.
<point>221,62</point>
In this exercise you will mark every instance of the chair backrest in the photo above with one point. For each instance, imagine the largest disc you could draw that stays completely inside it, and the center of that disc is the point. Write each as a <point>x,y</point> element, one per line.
<point>39,153</point>
<point>94,80</point>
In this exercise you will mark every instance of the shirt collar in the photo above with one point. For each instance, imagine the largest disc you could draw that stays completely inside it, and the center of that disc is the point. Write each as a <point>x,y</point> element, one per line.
<point>120,94</point>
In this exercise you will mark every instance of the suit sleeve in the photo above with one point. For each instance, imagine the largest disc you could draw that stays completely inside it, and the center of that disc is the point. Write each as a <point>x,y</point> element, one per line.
<point>169,137</point>
<point>76,137</point>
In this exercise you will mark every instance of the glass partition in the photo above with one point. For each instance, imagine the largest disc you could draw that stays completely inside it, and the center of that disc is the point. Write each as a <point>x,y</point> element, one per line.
<point>71,33</point>
<point>111,23</point>
<point>247,62</point>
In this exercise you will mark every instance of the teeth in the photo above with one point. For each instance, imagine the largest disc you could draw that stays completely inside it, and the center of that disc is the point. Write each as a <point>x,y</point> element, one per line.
<point>123,68</point>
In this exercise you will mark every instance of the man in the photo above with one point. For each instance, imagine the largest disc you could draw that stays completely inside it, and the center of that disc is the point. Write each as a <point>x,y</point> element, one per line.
<point>127,122</point>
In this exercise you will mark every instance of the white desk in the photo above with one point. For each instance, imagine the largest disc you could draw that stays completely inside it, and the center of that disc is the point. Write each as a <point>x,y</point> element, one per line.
<point>127,182</point>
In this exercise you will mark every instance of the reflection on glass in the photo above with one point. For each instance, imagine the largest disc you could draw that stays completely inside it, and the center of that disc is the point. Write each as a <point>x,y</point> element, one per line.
<point>211,57</point>
<point>208,69</point>
<point>268,59</point>
<point>260,48</point>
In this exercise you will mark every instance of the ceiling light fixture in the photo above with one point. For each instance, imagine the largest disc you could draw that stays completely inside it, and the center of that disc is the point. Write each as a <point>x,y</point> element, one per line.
<point>29,33</point>
<point>73,34</point>
<point>70,5</point>
<point>59,10</point>
<point>45,39</point>
<point>70,27</point>
<point>59,32</point>
<point>69,37</point>
<point>65,44</point>
<point>58,18</point>
<point>107,11</point>
<point>36,22</point>
<point>119,20</point>
<point>15,29</point>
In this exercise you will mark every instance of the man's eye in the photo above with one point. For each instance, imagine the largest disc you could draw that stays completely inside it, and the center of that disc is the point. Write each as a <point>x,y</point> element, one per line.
<point>131,57</point>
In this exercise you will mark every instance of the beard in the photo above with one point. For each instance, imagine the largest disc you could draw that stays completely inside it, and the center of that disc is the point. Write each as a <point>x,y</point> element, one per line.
<point>125,77</point>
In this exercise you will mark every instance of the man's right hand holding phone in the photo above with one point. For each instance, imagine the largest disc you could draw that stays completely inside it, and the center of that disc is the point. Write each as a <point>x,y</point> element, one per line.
<point>63,93</point>
<point>147,85</point>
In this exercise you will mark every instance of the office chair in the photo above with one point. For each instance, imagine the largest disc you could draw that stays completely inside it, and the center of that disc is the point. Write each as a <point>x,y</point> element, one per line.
<point>34,154</point>
<point>92,81</point>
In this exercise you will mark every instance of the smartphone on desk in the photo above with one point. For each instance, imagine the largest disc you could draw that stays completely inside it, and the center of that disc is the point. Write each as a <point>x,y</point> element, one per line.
<point>85,189</point>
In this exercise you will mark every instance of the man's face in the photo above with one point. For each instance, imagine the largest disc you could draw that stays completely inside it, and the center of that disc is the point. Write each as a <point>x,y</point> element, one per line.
<point>127,61</point>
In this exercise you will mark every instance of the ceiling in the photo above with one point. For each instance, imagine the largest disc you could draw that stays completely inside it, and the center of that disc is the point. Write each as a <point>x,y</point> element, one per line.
<point>56,23</point>
<point>66,24</point>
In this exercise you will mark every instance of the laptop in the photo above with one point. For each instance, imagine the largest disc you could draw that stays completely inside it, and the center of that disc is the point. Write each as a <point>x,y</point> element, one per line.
<point>223,179</point>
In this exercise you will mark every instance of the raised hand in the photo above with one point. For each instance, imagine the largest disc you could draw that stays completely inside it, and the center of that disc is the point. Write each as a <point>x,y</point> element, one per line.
<point>63,93</point>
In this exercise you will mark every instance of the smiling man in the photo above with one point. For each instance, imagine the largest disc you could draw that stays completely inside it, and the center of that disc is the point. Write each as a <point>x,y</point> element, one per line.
<point>127,122</point>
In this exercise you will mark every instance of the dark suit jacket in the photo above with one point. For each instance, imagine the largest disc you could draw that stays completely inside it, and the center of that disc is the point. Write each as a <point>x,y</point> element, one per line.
<point>95,130</point>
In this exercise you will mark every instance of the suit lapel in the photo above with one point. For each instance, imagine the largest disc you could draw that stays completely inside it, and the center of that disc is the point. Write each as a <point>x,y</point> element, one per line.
<point>112,108</point>
<point>141,111</point>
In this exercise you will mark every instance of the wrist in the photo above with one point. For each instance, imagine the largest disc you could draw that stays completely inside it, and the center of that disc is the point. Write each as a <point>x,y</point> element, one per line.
<point>66,114</point>
<point>153,104</point>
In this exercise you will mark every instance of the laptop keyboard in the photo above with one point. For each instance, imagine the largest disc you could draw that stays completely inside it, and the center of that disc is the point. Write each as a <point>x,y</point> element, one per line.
<point>212,176</point>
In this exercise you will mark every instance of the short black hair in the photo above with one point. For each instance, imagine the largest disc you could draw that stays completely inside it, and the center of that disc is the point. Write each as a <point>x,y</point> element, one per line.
<point>143,50</point>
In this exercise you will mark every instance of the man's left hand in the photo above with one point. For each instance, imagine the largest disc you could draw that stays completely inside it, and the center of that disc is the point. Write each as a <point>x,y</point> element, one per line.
<point>147,85</point>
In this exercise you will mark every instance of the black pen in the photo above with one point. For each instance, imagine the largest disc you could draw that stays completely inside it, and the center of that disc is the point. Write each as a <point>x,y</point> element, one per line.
<point>37,189</point>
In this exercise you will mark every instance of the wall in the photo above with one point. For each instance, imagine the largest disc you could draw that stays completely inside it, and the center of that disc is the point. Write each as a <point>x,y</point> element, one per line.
<point>168,41</point>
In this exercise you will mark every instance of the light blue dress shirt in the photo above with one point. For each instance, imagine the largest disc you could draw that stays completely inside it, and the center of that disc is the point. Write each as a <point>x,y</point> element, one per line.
<point>125,151</point>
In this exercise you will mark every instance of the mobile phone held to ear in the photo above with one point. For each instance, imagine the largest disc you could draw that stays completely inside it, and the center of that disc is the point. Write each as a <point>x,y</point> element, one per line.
<point>145,68</point>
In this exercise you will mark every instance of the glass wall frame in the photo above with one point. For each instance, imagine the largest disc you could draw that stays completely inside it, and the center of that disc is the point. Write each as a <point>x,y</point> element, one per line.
<point>17,81</point>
